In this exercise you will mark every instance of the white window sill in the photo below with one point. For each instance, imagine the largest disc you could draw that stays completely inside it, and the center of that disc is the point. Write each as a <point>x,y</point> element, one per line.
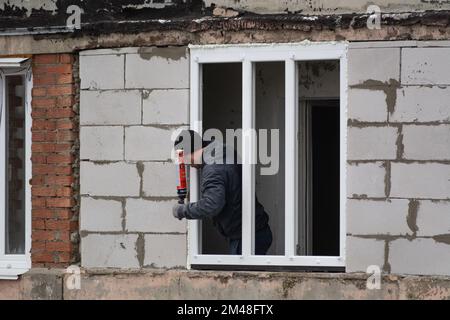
<point>12,267</point>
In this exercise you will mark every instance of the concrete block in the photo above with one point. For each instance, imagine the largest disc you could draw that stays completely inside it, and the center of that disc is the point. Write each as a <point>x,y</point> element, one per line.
<point>426,142</point>
<point>110,179</point>
<point>166,107</point>
<point>158,68</point>
<point>101,143</point>
<point>366,179</point>
<point>100,215</point>
<point>118,107</point>
<point>109,251</point>
<point>422,104</point>
<point>419,256</point>
<point>425,66</point>
<point>379,64</point>
<point>362,253</point>
<point>420,180</point>
<point>102,72</point>
<point>433,218</point>
<point>372,143</point>
<point>367,105</point>
<point>148,143</point>
<point>165,250</point>
<point>152,216</point>
<point>159,179</point>
<point>373,217</point>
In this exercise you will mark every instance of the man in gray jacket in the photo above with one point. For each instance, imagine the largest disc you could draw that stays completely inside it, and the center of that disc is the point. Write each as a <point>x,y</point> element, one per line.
<point>220,192</point>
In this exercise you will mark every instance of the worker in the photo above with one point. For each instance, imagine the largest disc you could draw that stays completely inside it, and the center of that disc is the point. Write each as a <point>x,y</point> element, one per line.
<point>220,192</point>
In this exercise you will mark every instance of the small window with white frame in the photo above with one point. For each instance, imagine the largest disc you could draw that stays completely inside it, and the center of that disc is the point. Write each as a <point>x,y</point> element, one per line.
<point>15,167</point>
<point>288,101</point>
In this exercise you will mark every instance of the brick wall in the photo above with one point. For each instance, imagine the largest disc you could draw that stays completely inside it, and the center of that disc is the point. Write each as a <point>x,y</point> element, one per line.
<point>54,154</point>
<point>398,207</point>
<point>132,100</point>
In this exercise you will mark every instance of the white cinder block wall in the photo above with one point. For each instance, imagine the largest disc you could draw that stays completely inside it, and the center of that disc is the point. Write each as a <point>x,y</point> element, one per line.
<point>398,172</point>
<point>131,101</point>
<point>398,208</point>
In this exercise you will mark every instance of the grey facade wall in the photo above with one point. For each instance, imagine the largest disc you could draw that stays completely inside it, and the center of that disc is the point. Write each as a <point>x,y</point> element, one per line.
<point>398,165</point>
<point>132,100</point>
<point>398,158</point>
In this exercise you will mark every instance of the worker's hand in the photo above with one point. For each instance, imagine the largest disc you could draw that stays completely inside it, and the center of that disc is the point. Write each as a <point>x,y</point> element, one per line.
<point>178,211</point>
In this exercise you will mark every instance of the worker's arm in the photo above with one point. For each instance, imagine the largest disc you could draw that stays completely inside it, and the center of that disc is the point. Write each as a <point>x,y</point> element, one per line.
<point>212,198</point>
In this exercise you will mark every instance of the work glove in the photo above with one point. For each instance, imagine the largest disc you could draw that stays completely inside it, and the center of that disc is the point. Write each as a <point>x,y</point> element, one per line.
<point>179,211</point>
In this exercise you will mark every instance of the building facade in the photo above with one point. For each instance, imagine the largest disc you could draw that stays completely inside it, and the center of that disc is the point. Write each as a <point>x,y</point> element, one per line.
<point>93,95</point>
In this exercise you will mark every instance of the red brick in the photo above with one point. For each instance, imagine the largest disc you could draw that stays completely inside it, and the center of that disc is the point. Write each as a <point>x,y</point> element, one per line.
<point>63,234</point>
<point>60,202</point>
<point>47,69</point>
<point>42,235</point>
<point>40,124</point>
<point>37,159</point>
<point>42,147</point>
<point>43,102</point>
<point>38,202</point>
<point>64,79</point>
<point>64,124</point>
<point>65,101</point>
<point>38,136</point>
<point>37,180</point>
<point>58,158</point>
<point>60,90</point>
<point>61,246</point>
<point>59,180</point>
<point>39,114</point>
<point>63,147</point>
<point>65,135</point>
<point>63,257</point>
<point>58,113</point>
<point>64,191</point>
<point>38,224</point>
<point>42,256</point>
<point>43,191</point>
<point>45,58</point>
<point>43,213</point>
<point>57,225</point>
<point>39,92</point>
<point>66,58</point>
<point>43,80</point>
<point>63,213</point>
<point>37,246</point>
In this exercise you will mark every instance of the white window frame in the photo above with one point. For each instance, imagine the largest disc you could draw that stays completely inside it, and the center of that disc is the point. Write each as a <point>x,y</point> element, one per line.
<point>12,265</point>
<point>248,55</point>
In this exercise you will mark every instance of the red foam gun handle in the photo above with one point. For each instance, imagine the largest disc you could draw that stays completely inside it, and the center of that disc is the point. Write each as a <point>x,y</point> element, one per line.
<point>181,177</point>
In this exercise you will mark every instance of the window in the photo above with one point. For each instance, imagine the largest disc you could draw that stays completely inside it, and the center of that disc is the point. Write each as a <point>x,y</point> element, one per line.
<point>258,86</point>
<point>15,167</point>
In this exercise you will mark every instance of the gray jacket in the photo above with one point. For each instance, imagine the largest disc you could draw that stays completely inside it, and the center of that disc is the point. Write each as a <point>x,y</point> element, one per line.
<point>221,193</point>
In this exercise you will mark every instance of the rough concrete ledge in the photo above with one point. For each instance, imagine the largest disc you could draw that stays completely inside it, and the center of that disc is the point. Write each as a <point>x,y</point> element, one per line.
<point>184,284</point>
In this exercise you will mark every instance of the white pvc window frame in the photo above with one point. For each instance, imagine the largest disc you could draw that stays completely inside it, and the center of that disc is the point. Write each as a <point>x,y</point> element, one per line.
<point>248,55</point>
<point>13,265</point>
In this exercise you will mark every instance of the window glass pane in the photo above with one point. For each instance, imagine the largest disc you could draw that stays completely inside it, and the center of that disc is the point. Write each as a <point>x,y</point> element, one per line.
<point>319,158</point>
<point>15,164</point>
<point>269,173</point>
<point>222,111</point>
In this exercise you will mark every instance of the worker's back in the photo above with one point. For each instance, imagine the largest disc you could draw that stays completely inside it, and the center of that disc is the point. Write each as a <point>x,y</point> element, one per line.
<point>222,167</point>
